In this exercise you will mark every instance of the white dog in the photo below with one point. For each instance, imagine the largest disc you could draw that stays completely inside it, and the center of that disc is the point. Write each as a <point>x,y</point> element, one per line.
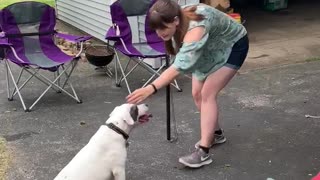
<point>104,157</point>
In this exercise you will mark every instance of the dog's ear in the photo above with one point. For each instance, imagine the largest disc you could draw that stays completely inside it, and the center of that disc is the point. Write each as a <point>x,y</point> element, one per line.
<point>134,112</point>
<point>132,115</point>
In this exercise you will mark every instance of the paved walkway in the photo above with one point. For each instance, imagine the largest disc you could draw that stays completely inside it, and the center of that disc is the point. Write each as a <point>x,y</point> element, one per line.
<point>262,112</point>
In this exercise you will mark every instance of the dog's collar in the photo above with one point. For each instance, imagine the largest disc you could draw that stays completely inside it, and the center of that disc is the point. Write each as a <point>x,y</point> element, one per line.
<point>118,130</point>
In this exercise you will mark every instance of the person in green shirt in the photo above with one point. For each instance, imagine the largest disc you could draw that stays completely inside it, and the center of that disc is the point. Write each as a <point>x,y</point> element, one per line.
<point>207,43</point>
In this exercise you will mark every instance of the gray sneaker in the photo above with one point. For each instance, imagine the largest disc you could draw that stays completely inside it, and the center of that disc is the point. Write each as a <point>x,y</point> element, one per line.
<point>196,159</point>
<point>218,139</point>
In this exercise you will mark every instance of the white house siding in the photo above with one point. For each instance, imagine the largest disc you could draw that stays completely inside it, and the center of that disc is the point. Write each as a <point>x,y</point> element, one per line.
<point>90,16</point>
<point>93,17</point>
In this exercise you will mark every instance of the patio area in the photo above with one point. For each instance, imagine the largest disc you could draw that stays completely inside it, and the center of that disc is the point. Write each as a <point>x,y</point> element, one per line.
<point>263,113</point>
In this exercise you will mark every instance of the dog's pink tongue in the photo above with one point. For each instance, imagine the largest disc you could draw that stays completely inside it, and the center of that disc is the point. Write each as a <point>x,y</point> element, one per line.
<point>145,118</point>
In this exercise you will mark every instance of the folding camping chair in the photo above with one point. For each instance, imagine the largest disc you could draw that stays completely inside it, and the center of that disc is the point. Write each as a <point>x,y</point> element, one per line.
<point>28,38</point>
<point>121,34</point>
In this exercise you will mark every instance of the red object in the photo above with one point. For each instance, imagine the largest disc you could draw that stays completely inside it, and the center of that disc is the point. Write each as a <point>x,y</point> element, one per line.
<point>235,15</point>
<point>316,177</point>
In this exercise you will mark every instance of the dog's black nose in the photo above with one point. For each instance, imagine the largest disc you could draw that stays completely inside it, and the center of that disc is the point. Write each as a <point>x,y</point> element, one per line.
<point>147,105</point>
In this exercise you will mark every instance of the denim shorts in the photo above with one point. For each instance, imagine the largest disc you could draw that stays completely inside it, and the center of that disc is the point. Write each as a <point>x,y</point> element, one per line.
<point>238,54</point>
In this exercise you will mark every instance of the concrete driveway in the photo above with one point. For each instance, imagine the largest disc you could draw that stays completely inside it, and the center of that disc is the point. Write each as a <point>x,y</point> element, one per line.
<point>262,112</point>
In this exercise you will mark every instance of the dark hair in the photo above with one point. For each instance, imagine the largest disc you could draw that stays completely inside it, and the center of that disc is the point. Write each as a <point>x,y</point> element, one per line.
<point>165,11</point>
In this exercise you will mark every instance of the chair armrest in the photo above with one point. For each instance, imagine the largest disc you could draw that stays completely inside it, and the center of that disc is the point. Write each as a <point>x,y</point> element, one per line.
<point>4,42</point>
<point>113,33</point>
<point>73,38</point>
<point>2,34</point>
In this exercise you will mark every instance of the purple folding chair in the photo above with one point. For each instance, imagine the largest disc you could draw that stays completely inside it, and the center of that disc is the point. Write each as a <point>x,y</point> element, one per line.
<point>121,34</point>
<point>28,36</point>
<point>153,47</point>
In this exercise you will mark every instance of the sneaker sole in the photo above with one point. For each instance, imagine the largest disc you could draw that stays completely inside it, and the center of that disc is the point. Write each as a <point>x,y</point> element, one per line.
<point>209,161</point>
<point>215,143</point>
<point>220,142</point>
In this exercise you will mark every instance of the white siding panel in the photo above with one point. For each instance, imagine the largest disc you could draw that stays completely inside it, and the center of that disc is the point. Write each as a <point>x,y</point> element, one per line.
<point>85,19</point>
<point>89,10</point>
<point>93,17</point>
<point>90,16</point>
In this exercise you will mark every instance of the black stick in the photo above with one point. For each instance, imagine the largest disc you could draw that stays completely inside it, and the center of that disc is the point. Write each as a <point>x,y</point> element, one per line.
<point>168,109</point>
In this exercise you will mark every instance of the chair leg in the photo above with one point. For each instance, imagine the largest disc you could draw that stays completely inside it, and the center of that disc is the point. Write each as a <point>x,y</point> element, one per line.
<point>53,83</point>
<point>74,64</point>
<point>177,86</point>
<point>122,72</point>
<point>8,83</point>
<point>17,81</point>
<point>16,86</point>
<point>157,73</point>
<point>108,72</point>
<point>56,74</point>
<point>154,74</point>
<point>139,61</point>
<point>131,70</point>
<point>123,75</point>
<point>116,67</point>
<point>36,101</point>
<point>33,74</point>
<point>25,82</point>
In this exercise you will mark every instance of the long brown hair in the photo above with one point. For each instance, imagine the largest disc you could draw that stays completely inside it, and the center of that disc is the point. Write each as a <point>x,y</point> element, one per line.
<point>165,11</point>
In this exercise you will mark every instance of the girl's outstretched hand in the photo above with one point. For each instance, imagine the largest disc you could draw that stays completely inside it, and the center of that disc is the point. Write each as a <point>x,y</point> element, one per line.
<point>140,95</point>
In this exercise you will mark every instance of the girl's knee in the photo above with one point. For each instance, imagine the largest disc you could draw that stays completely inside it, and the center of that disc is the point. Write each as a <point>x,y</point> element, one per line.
<point>196,95</point>
<point>208,96</point>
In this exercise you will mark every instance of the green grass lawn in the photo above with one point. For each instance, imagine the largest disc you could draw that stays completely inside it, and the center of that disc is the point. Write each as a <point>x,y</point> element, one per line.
<point>4,3</point>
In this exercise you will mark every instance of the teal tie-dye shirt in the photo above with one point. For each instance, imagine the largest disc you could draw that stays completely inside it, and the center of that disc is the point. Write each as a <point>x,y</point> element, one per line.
<point>207,55</point>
